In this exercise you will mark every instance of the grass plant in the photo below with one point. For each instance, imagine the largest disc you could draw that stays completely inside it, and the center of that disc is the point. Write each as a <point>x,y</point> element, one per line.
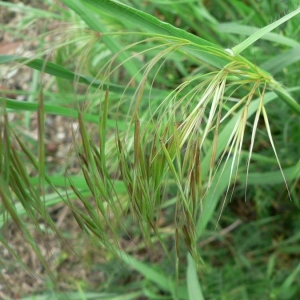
<point>175,129</point>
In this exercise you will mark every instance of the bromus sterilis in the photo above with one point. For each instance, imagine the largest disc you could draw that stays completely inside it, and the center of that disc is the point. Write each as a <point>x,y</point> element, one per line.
<point>174,115</point>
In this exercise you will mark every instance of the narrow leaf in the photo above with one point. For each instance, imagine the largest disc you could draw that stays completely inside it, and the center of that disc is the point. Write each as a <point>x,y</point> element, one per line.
<point>263,31</point>
<point>194,289</point>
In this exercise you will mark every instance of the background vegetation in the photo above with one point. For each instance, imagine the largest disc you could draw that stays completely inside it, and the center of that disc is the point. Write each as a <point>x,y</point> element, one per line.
<point>146,161</point>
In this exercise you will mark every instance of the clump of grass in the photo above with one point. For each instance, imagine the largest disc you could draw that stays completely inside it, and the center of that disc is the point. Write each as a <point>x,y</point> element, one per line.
<point>179,149</point>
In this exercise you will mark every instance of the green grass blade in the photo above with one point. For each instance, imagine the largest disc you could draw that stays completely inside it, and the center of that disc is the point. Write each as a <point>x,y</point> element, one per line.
<point>290,280</point>
<point>249,30</point>
<point>86,295</point>
<point>61,72</point>
<point>282,60</point>
<point>144,20</point>
<point>218,187</point>
<point>272,178</point>
<point>194,289</point>
<point>263,31</point>
<point>287,98</point>
<point>55,110</point>
<point>151,274</point>
<point>153,25</point>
